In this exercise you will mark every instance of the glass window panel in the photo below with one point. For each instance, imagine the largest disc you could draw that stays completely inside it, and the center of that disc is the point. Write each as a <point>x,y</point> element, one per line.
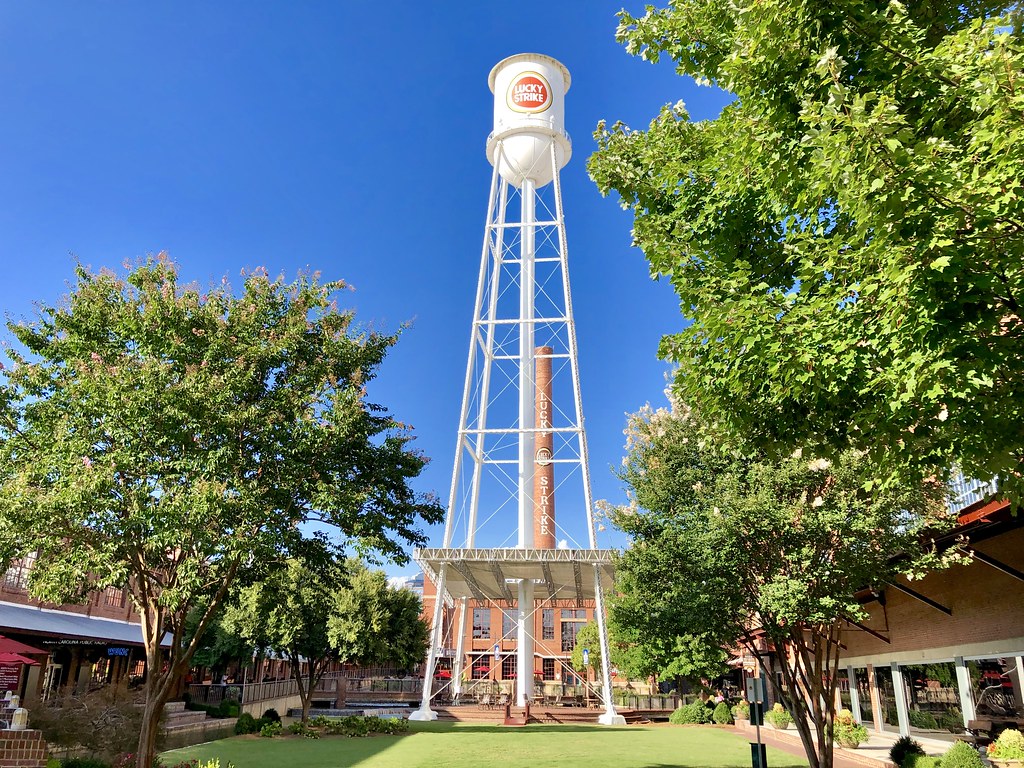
<point>481,623</point>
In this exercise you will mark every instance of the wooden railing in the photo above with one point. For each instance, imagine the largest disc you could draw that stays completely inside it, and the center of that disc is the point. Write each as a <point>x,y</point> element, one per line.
<point>248,693</point>
<point>214,694</point>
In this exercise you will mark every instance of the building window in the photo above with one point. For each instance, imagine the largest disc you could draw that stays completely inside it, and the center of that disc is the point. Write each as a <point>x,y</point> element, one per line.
<point>481,623</point>
<point>547,625</point>
<point>548,665</point>
<point>572,620</point>
<point>480,668</point>
<point>508,625</point>
<point>114,596</point>
<point>508,666</point>
<point>16,576</point>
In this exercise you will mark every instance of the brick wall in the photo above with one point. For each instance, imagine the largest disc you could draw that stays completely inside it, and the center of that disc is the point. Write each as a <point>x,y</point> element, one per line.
<point>987,606</point>
<point>96,604</point>
<point>22,749</point>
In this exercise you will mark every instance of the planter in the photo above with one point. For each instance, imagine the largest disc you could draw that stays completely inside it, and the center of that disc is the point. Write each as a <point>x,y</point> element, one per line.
<point>1006,763</point>
<point>848,743</point>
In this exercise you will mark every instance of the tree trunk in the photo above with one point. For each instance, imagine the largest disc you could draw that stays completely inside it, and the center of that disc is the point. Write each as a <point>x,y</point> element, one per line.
<point>158,690</point>
<point>809,665</point>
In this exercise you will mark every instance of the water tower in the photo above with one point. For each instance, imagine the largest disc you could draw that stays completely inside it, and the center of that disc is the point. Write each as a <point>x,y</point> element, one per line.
<point>521,441</point>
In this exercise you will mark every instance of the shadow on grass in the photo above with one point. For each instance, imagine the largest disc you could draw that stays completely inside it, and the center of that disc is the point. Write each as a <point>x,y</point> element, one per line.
<point>476,728</point>
<point>691,749</point>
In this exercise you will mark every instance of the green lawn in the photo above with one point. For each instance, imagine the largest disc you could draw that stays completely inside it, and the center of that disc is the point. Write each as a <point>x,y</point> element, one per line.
<point>457,745</point>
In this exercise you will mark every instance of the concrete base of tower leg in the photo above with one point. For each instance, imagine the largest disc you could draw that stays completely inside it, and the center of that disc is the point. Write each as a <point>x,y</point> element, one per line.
<point>423,714</point>
<point>609,718</point>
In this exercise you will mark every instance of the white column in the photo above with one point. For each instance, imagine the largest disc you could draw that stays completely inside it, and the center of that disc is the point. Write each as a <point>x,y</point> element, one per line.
<point>963,684</point>
<point>425,712</point>
<point>851,677</point>
<point>610,716</point>
<point>1018,681</point>
<point>524,643</point>
<point>460,650</point>
<point>899,692</point>
<point>526,373</point>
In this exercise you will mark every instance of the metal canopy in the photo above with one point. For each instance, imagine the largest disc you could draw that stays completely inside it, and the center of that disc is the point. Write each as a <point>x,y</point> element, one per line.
<point>486,573</point>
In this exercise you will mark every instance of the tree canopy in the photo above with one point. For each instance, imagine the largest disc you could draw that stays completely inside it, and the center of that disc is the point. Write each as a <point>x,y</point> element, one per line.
<point>730,551</point>
<point>320,616</point>
<point>168,439</point>
<point>848,236</point>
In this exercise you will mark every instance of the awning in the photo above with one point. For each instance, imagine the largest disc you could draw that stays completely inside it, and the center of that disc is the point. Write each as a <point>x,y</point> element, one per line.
<point>8,646</point>
<point>16,658</point>
<point>489,574</point>
<point>66,625</point>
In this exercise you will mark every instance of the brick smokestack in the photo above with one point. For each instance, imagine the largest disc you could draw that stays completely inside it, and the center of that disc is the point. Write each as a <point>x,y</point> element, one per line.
<point>544,470</point>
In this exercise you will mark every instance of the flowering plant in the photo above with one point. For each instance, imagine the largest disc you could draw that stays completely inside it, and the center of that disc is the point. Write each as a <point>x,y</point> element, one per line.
<point>778,717</point>
<point>1009,746</point>
<point>846,731</point>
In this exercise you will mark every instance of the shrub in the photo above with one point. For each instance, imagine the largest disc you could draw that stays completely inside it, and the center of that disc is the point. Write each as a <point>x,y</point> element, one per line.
<point>904,747</point>
<point>924,761</point>
<point>270,730</point>
<point>741,711</point>
<point>847,732</point>
<point>722,715</point>
<point>271,716</point>
<point>227,708</point>
<point>924,720</point>
<point>83,762</point>
<point>1009,746</point>
<point>778,717</point>
<point>952,720</point>
<point>100,724</point>
<point>300,728</point>
<point>691,714</point>
<point>962,755</point>
<point>246,723</point>
<point>193,763</point>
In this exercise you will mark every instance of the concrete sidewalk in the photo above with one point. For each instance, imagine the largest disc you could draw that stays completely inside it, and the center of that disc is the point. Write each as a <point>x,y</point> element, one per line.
<point>873,753</point>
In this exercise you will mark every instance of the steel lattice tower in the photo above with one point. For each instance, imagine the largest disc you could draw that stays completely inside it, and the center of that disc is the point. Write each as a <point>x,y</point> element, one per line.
<point>521,439</point>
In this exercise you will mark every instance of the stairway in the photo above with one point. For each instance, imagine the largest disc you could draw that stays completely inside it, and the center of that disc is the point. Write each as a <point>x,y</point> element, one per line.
<point>177,718</point>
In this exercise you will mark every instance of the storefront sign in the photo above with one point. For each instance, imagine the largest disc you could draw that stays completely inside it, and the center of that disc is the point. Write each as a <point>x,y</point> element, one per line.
<point>10,676</point>
<point>73,641</point>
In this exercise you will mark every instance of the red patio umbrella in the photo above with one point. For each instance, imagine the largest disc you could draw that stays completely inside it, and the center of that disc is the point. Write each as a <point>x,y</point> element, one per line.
<point>13,646</point>
<point>17,658</point>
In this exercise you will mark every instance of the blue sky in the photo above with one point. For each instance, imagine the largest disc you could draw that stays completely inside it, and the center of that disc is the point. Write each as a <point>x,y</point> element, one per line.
<point>337,136</point>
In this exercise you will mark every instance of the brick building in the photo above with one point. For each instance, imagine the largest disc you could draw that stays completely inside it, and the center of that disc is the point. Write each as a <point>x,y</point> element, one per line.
<point>489,640</point>
<point>86,645</point>
<point>937,653</point>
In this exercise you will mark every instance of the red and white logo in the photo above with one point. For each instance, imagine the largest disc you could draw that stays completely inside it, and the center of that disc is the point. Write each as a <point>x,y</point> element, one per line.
<point>529,92</point>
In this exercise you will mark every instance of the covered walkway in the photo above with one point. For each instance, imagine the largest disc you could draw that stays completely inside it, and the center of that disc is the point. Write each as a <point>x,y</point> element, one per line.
<point>873,753</point>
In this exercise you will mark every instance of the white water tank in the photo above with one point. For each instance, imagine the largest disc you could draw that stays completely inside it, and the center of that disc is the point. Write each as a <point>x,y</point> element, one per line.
<point>529,117</point>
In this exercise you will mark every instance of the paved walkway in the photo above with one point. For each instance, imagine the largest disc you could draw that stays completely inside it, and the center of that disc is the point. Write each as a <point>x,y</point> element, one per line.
<point>873,753</point>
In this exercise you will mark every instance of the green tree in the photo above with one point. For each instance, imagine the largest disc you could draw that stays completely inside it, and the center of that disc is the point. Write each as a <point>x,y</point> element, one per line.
<point>588,637</point>
<point>219,646</point>
<point>375,623</point>
<point>848,236</point>
<point>171,440</point>
<point>725,548</point>
<point>317,617</point>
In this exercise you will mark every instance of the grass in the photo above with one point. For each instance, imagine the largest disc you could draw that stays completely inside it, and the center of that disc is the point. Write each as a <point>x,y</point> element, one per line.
<point>465,745</point>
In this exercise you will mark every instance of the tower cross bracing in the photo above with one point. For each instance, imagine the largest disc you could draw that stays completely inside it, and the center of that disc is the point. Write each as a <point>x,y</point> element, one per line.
<point>521,444</point>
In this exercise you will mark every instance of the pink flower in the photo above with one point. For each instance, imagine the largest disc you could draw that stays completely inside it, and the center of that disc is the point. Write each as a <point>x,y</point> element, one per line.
<point>95,357</point>
<point>87,462</point>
